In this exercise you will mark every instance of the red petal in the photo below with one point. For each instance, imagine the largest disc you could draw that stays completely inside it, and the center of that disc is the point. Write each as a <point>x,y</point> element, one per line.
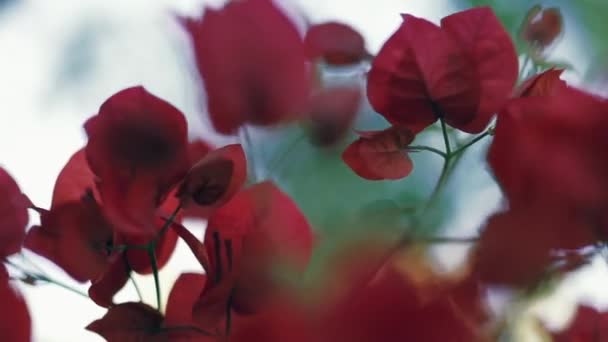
<point>185,292</point>
<point>15,322</point>
<point>588,324</point>
<point>412,82</point>
<point>336,43</point>
<point>138,148</point>
<point>254,71</point>
<point>332,112</point>
<point>213,180</point>
<point>197,150</point>
<point>194,244</point>
<point>129,322</point>
<point>543,84</point>
<point>542,26</point>
<point>482,37</point>
<point>103,289</point>
<point>380,155</point>
<point>74,180</point>
<point>13,215</point>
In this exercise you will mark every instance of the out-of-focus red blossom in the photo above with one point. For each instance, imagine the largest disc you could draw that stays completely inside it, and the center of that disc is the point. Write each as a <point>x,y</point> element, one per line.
<point>257,230</point>
<point>198,149</point>
<point>534,232</point>
<point>213,180</point>
<point>251,59</point>
<point>138,149</point>
<point>464,77</point>
<point>548,150</point>
<point>74,180</point>
<point>186,290</point>
<point>391,308</point>
<point>15,322</point>
<point>332,112</point>
<point>335,43</point>
<point>129,322</point>
<point>541,26</point>
<point>379,155</point>
<point>588,324</point>
<point>104,287</point>
<point>546,83</point>
<point>13,215</point>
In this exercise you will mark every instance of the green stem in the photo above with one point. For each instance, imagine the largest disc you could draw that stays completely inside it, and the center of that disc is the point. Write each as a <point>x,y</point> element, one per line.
<point>247,142</point>
<point>58,283</point>
<point>415,148</point>
<point>154,263</point>
<point>168,222</point>
<point>446,138</point>
<point>472,142</point>
<point>524,65</point>
<point>133,279</point>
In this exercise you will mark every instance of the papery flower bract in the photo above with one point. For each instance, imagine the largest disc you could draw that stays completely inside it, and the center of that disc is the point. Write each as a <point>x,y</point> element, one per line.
<point>15,322</point>
<point>588,324</point>
<point>378,155</point>
<point>213,180</point>
<point>198,149</point>
<point>332,112</point>
<point>138,148</point>
<point>541,26</point>
<point>336,43</point>
<point>129,322</point>
<point>546,83</point>
<point>464,77</point>
<point>13,215</point>
<point>251,59</point>
<point>550,150</point>
<point>74,181</point>
<point>104,287</point>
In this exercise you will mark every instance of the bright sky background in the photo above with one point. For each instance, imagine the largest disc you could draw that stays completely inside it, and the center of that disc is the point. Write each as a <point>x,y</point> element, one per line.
<point>116,44</point>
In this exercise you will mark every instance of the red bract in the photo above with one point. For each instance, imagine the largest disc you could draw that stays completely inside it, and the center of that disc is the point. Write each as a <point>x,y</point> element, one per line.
<point>534,232</point>
<point>550,150</point>
<point>541,26</point>
<point>379,155</point>
<point>138,149</point>
<point>335,43</point>
<point>543,84</point>
<point>245,239</point>
<point>74,180</point>
<point>463,77</point>
<point>588,324</point>
<point>213,180</point>
<point>15,322</point>
<point>129,322</point>
<point>104,287</point>
<point>332,112</point>
<point>13,215</point>
<point>251,59</point>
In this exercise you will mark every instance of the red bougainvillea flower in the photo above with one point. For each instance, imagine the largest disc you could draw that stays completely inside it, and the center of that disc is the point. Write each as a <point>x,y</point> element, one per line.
<point>543,84</point>
<point>13,215</point>
<point>535,232</point>
<point>129,322</point>
<point>392,308</point>
<point>245,239</point>
<point>379,155</point>
<point>463,77</point>
<point>252,62</point>
<point>15,322</point>
<point>335,43</point>
<point>197,149</point>
<point>542,26</point>
<point>539,143</point>
<point>213,180</point>
<point>332,112</point>
<point>588,324</point>
<point>138,148</point>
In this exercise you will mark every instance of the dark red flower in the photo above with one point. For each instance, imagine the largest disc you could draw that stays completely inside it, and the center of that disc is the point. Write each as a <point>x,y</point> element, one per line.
<point>535,232</point>
<point>252,62</point>
<point>332,112</point>
<point>336,43</point>
<point>544,84</point>
<point>541,26</point>
<point>463,77</point>
<point>15,322</point>
<point>245,239</point>
<point>13,215</point>
<point>104,287</point>
<point>213,180</point>
<point>129,322</point>
<point>588,324</point>
<point>138,149</point>
<point>198,149</point>
<point>379,155</point>
<point>549,150</point>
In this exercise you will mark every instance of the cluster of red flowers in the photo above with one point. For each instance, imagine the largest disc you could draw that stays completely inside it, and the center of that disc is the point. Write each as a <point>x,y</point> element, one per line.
<point>118,204</point>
